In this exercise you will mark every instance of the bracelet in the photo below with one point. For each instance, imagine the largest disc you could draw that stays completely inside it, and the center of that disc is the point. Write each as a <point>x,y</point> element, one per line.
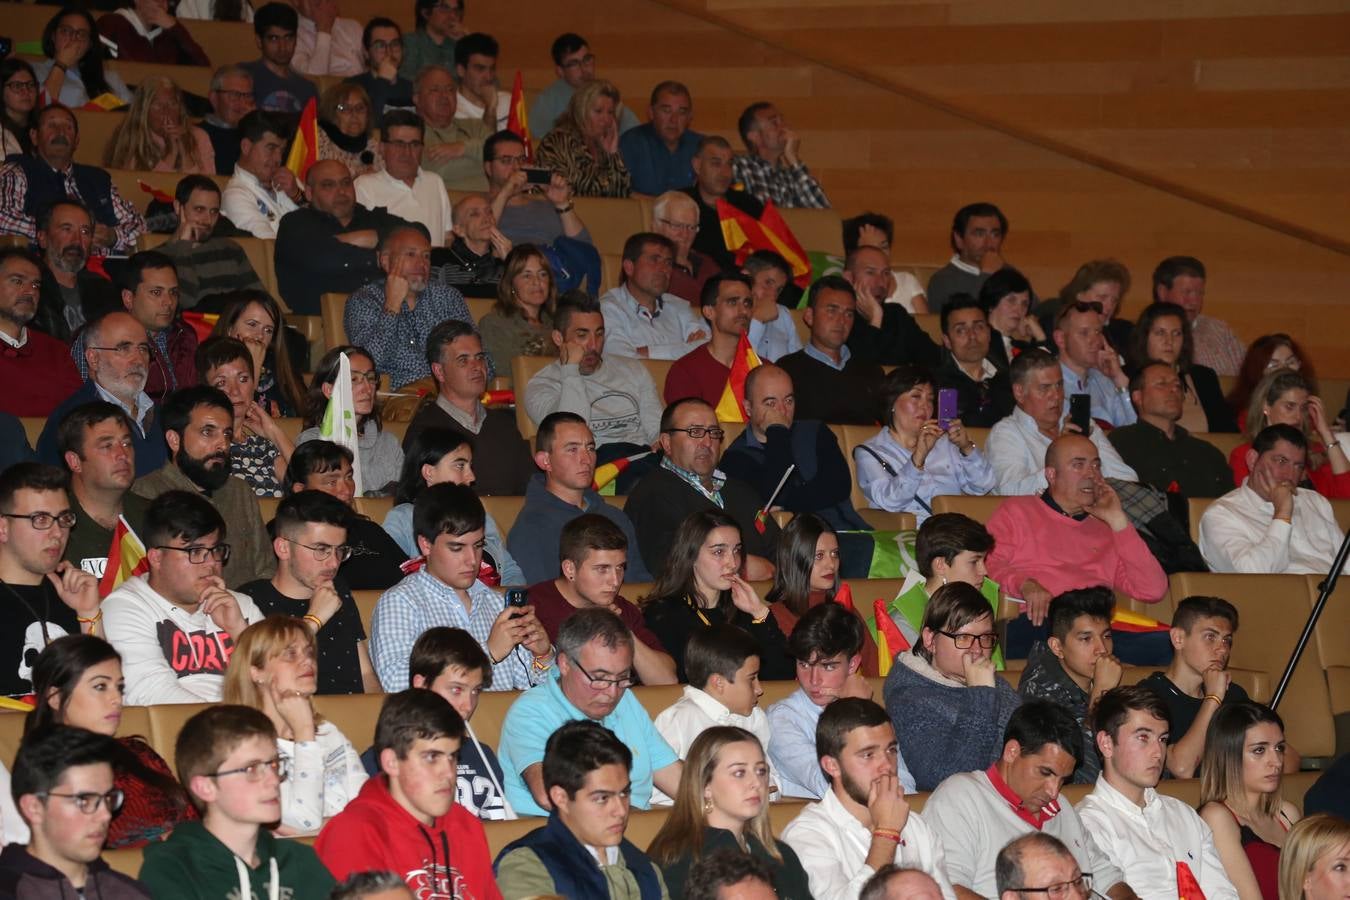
<point>889,834</point>
<point>310,617</point>
<point>762,619</point>
<point>1215,697</point>
<point>543,663</point>
<point>564,210</point>
<point>93,621</point>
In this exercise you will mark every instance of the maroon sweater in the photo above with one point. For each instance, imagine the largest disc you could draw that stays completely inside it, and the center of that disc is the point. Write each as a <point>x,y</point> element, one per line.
<point>172,47</point>
<point>37,376</point>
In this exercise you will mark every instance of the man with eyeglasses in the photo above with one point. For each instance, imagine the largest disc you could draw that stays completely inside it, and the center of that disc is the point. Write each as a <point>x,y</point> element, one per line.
<point>64,790</point>
<point>454,146</point>
<point>523,215</point>
<point>438,24</point>
<point>1271,525</point>
<point>976,814</point>
<point>642,319</point>
<point>1090,365</point>
<point>35,367</point>
<point>382,41</point>
<point>175,626</point>
<point>1039,867</point>
<point>574,64</point>
<point>660,153</point>
<point>231,99</point>
<point>688,481</point>
<point>310,542</point>
<point>326,44</point>
<point>42,597</point>
<point>277,87</point>
<point>198,427</point>
<point>72,293</point>
<point>983,392</point>
<point>590,681</point>
<point>675,216</point>
<point>403,187</point>
<point>475,260</point>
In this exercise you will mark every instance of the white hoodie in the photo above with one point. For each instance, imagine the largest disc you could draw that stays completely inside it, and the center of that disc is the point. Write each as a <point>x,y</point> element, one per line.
<point>168,654</point>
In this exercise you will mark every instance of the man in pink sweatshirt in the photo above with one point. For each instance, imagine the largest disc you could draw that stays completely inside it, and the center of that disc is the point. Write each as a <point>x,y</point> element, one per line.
<point>1074,535</point>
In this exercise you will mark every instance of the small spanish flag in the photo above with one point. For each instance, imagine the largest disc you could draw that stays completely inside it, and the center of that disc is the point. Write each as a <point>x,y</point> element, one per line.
<point>1128,620</point>
<point>495,399</point>
<point>202,323</point>
<point>517,121</point>
<point>844,597</point>
<point>744,235</point>
<point>731,408</point>
<point>126,558</point>
<point>1188,888</point>
<point>305,147</point>
<point>889,639</point>
<point>605,475</point>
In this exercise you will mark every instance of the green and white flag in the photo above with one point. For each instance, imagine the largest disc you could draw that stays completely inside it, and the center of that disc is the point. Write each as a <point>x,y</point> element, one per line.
<point>339,419</point>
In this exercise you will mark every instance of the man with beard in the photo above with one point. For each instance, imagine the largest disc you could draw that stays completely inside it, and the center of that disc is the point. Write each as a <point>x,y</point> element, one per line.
<point>392,317</point>
<point>28,184</point>
<point>150,293</point>
<point>198,426</point>
<point>35,368</point>
<point>72,294</point>
<point>117,352</point>
<point>176,626</point>
<point>703,371</point>
<point>96,441</point>
<point>863,822</point>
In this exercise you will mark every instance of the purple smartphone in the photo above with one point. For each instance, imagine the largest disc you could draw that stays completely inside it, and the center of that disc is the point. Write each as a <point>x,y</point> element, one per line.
<point>946,410</point>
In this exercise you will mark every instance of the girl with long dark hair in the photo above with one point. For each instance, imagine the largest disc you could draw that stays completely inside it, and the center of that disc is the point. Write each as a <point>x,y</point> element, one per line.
<point>72,73</point>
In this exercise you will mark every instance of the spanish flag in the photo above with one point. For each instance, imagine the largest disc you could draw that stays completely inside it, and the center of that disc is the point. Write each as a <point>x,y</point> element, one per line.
<point>517,121</point>
<point>1129,620</point>
<point>126,558</point>
<point>605,475</point>
<point>1188,888</point>
<point>744,235</point>
<point>731,408</point>
<point>305,147</point>
<point>844,597</point>
<point>202,323</point>
<point>889,639</point>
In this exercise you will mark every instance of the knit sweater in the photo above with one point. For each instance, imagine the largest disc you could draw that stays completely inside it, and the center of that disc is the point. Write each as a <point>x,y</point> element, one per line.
<point>502,462</point>
<point>215,266</point>
<point>943,726</point>
<point>36,376</point>
<point>847,397</point>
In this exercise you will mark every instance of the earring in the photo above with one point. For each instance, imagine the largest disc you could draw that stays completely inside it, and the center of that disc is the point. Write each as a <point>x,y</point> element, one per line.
<point>944,579</point>
<point>707,805</point>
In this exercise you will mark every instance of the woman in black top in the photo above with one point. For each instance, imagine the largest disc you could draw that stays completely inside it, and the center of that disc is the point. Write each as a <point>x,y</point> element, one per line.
<point>702,586</point>
<point>1163,333</point>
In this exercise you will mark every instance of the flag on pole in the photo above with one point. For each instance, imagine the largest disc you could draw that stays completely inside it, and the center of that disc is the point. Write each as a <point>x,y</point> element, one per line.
<point>517,121</point>
<point>605,475</point>
<point>745,234</point>
<point>731,408</point>
<point>339,419</point>
<point>305,147</point>
<point>844,597</point>
<point>889,639</point>
<point>126,558</point>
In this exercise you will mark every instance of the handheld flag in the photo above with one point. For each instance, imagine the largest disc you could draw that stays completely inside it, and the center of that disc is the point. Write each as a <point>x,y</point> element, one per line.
<point>762,517</point>
<point>844,597</point>
<point>126,558</point>
<point>305,147</point>
<point>889,639</point>
<point>745,234</point>
<point>498,398</point>
<point>339,419</point>
<point>606,474</point>
<point>1188,888</point>
<point>155,193</point>
<point>1128,620</point>
<point>731,408</point>
<point>517,121</point>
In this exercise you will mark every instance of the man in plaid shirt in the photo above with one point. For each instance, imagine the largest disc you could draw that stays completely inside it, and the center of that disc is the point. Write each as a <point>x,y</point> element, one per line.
<point>771,169</point>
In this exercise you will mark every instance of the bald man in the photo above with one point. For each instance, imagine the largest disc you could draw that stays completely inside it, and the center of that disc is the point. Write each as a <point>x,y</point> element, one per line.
<point>476,257</point>
<point>329,245</point>
<point>1074,535</point>
<point>894,883</point>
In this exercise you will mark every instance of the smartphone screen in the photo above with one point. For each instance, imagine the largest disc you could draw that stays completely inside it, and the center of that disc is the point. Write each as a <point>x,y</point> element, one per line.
<point>516,597</point>
<point>947,408</point>
<point>1080,411</point>
<point>538,176</point>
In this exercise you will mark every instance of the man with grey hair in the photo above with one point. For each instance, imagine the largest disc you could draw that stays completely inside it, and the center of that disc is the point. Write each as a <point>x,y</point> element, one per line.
<point>71,292</point>
<point>372,886</point>
<point>891,882</point>
<point>771,169</point>
<point>231,99</point>
<point>1030,866</point>
<point>590,681</point>
<point>659,154</point>
<point>713,177</point>
<point>476,257</point>
<point>1016,445</point>
<point>675,217</point>
<point>454,147</point>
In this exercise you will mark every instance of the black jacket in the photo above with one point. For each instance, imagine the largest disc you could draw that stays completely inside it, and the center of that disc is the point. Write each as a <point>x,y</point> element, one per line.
<point>311,261</point>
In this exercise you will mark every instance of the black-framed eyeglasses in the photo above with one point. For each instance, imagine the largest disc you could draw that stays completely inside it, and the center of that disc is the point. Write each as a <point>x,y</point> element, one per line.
<point>586,60</point>
<point>88,802</point>
<point>1081,886</point>
<point>323,551</point>
<point>43,521</point>
<point>966,641</point>
<point>395,44</point>
<point>254,771</point>
<point>598,683</point>
<point>197,553</point>
<point>127,348</point>
<point>698,432</point>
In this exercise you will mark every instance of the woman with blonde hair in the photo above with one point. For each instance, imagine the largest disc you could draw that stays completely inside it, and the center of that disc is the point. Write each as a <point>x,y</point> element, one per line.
<point>274,668</point>
<point>347,129</point>
<point>1315,863</point>
<point>1240,800</point>
<point>584,146</point>
<point>1284,397</point>
<point>521,321</point>
<point>156,135</point>
<point>722,803</point>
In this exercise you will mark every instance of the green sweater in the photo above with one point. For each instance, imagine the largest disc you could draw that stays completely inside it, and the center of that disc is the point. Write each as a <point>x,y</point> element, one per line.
<point>193,865</point>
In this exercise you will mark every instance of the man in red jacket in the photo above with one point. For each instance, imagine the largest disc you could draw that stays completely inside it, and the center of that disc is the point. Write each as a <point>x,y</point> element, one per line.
<point>405,819</point>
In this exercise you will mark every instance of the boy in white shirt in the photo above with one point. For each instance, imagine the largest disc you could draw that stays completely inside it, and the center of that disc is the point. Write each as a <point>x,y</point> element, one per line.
<point>1160,842</point>
<point>722,663</point>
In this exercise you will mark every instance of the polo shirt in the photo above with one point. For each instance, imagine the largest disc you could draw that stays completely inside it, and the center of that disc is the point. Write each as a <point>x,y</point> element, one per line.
<point>425,202</point>
<point>538,712</point>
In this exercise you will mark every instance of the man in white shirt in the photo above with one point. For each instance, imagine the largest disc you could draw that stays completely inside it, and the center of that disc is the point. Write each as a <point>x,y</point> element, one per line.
<point>1016,446</point>
<point>326,44</point>
<point>977,813</point>
<point>261,190</point>
<point>1090,365</point>
<point>863,822</point>
<point>176,626</point>
<point>480,97</point>
<point>403,187</point>
<point>1160,843</point>
<point>1270,525</point>
<point>642,318</point>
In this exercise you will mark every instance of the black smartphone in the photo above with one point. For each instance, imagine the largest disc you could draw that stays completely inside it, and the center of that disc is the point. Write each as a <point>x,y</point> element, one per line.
<point>538,176</point>
<point>516,597</point>
<point>1080,411</point>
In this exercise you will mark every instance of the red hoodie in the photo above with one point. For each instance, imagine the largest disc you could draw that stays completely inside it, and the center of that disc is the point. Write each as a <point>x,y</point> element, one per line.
<point>448,861</point>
